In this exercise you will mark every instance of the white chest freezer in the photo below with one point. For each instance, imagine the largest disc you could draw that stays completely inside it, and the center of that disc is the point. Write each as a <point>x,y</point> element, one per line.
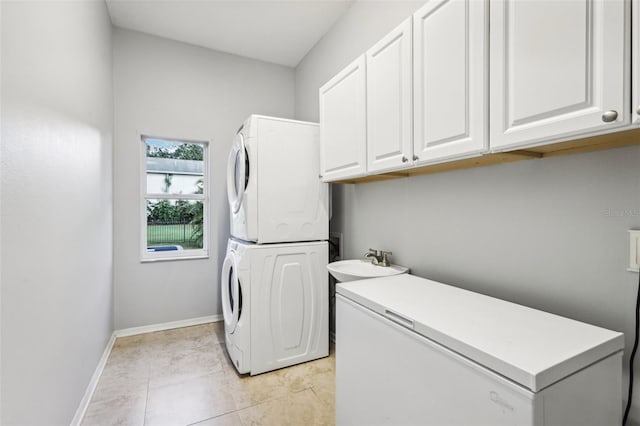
<point>411,351</point>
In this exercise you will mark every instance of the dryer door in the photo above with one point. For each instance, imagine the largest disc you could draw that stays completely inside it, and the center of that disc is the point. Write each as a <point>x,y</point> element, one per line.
<point>231,293</point>
<point>237,173</point>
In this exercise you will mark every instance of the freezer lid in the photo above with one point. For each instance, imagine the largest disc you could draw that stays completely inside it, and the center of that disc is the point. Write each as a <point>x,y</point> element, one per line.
<point>528,346</point>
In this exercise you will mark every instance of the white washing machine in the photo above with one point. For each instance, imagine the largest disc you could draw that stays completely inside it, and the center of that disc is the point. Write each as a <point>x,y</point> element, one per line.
<point>273,184</point>
<point>275,304</point>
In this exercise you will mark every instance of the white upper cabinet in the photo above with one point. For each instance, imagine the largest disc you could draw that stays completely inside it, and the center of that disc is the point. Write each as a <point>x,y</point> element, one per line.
<point>389,133</point>
<point>461,78</point>
<point>450,79</point>
<point>558,69</point>
<point>343,139</point>
<point>635,69</point>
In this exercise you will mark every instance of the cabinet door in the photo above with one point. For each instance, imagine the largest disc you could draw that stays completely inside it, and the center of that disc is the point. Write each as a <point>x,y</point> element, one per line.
<point>343,149</point>
<point>389,141</point>
<point>450,79</point>
<point>635,56</point>
<point>558,69</point>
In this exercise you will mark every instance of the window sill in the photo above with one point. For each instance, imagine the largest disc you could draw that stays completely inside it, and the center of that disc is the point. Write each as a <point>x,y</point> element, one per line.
<point>198,254</point>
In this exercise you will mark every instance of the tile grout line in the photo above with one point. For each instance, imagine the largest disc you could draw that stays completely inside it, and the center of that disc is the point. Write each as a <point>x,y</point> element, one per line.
<point>214,417</point>
<point>146,400</point>
<point>318,396</point>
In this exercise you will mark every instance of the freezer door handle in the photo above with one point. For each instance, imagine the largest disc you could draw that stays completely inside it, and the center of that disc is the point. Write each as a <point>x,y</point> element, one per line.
<point>399,319</point>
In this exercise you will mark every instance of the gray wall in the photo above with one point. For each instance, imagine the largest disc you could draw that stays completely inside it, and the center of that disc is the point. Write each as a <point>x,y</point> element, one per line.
<point>166,88</point>
<point>550,233</point>
<point>56,219</point>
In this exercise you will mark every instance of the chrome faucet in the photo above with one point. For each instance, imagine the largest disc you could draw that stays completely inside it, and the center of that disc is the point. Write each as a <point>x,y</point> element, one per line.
<point>378,257</point>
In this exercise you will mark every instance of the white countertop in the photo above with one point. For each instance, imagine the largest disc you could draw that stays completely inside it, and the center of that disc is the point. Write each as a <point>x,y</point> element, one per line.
<point>530,347</point>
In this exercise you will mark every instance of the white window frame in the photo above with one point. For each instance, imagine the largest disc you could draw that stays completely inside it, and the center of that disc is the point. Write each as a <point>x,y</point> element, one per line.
<point>202,253</point>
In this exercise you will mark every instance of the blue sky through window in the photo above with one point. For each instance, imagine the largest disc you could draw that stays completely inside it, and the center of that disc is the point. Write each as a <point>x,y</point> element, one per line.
<point>161,143</point>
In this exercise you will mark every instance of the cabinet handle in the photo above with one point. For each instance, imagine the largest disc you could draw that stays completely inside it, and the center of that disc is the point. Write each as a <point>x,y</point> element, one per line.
<point>404,159</point>
<point>416,158</point>
<point>609,116</point>
<point>399,319</point>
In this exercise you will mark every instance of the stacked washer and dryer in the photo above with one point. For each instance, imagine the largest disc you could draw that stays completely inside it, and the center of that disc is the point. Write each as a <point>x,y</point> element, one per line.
<point>274,283</point>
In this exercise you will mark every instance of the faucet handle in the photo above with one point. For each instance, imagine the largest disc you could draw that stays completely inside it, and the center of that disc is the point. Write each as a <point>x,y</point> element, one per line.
<point>373,254</point>
<point>385,259</point>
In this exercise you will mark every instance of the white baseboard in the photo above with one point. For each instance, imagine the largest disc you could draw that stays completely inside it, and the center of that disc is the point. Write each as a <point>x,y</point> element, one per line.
<point>82,408</point>
<point>167,325</point>
<point>93,383</point>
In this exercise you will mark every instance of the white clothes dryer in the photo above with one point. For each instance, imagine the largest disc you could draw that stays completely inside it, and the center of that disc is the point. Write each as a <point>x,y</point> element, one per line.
<point>275,302</point>
<point>273,182</point>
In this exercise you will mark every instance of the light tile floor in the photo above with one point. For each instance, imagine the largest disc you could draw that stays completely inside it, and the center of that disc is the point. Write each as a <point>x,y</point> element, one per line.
<point>184,377</point>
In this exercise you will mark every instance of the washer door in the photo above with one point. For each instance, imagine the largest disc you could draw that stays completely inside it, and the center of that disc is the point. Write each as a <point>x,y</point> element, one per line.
<point>237,173</point>
<point>231,293</point>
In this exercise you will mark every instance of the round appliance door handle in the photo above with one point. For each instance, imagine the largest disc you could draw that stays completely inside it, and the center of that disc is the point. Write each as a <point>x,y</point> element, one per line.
<point>229,278</point>
<point>235,194</point>
<point>231,170</point>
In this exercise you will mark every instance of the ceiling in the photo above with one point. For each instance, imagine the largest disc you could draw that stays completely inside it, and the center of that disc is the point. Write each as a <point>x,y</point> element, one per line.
<point>278,31</point>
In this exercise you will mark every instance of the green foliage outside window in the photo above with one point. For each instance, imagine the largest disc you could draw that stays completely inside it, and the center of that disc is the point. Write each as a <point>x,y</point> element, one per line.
<point>184,151</point>
<point>164,212</point>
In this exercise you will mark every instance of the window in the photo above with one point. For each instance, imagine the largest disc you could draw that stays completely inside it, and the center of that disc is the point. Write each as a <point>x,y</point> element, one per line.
<point>174,185</point>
